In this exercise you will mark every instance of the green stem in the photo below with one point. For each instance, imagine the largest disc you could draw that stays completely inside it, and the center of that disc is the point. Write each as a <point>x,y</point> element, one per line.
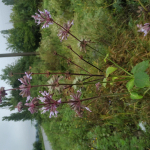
<point>120,76</point>
<point>104,82</point>
<point>119,67</point>
<point>142,5</point>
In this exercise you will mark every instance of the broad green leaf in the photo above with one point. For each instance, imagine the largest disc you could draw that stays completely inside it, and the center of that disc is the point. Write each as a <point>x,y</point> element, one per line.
<point>104,80</point>
<point>141,67</point>
<point>147,84</point>
<point>135,95</point>
<point>107,55</point>
<point>130,84</point>
<point>110,70</point>
<point>141,79</point>
<point>113,79</point>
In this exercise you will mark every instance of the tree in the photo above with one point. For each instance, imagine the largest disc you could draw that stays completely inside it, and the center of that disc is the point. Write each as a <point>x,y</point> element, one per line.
<point>5,32</point>
<point>8,2</point>
<point>37,145</point>
<point>24,115</point>
<point>25,35</point>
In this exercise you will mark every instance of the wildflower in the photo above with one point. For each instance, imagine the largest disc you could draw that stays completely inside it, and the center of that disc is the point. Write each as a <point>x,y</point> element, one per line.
<point>33,106</point>
<point>77,79</point>
<point>2,93</point>
<point>47,97</point>
<point>63,34</point>
<point>19,106</point>
<point>82,44</point>
<point>76,104</point>
<point>43,17</point>
<point>25,87</point>
<point>97,85</point>
<point>50,104</point>
<point>55,82</point>
<point>145,28</point>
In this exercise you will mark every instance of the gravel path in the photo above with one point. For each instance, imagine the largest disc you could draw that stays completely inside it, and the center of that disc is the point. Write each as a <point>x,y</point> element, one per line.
<point>45,140</point>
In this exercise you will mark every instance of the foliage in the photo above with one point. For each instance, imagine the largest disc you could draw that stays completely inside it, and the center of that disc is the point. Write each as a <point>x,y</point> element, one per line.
<point>25,36</point>
<point>9,2</point>
<point>24,115</point>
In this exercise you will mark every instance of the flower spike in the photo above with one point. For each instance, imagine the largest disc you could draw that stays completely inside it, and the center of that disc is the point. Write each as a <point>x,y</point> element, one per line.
<point>43,17</point>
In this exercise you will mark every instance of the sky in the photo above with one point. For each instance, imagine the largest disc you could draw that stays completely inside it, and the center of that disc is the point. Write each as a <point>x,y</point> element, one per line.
<point>13,135</point>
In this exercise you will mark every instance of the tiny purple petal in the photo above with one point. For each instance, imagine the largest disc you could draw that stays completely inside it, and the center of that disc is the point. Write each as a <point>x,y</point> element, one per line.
<point>145,28</point>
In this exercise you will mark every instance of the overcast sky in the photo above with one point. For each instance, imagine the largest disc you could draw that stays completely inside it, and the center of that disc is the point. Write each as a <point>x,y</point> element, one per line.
<point>13,135</point>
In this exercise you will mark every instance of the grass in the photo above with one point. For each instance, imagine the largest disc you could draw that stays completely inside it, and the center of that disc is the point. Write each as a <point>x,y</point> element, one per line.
<point>111,27</point>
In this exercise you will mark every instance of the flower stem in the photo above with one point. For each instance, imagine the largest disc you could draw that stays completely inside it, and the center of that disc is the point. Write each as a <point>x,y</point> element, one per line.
<point>142,5</point>
<point>72,62</point>
<point>119,67</point>
<point>67,31</point>
<point>83,59</point>
<point>86,99</point>
<point>94,48</point>
<point>78,74</point>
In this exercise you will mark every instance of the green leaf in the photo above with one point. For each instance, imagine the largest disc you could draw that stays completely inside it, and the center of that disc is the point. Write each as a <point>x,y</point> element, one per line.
<point>141,67</point>
<point>135,95</point>
<point>107,55</point>
<point>141,79</point>
<point>130,84</point>
<point>113,79</point>
<point>110,70</point>
<point>104,80</point>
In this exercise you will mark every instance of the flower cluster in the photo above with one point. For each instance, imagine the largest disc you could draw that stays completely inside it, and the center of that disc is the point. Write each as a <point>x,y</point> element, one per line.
<point>50,104</point>
<point>19,106</point>
<point>33,105</point>
<point>145,28</point>
<point>43,17</point>
<point>82,44</point>
<point>98,86</point>
<point>55,82</point>
<point>76,103</point>
<point>63,34</point>
<point>26,86</point>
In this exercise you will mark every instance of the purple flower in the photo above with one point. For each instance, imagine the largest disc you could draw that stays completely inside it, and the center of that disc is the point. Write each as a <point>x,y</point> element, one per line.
<point>26,79</point>
<point>50,104</point>
<point>145,28</point>
<point>2,93</point>
<point>19,106</point>
<point>25,87</point>
<point>83,44</point>
<point>97,85</point>
<point>52,108</point>
<point>43,17</point>
<point>77,105</point>
<point>25,91</point>
<point>33,106</point>
<point>63,34</point>
<point>55,82</point>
